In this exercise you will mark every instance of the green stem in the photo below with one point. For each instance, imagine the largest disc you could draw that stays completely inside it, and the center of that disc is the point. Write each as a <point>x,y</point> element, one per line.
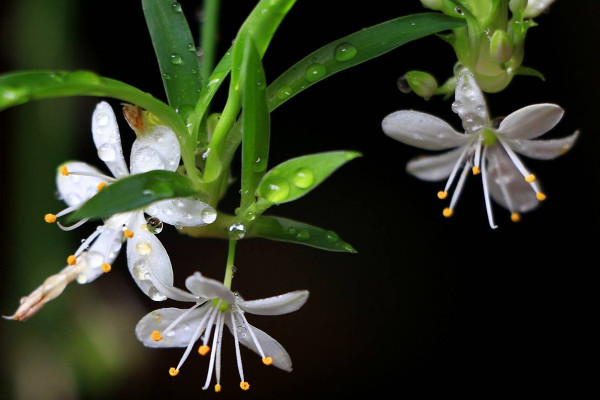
<point>208,35</point>
<point>229,267</point>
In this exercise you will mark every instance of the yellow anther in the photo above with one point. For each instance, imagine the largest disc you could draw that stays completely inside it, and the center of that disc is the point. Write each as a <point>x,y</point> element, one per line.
<point>530,178</point>
<point>476,170</point>
<point>71,260</point>
<point>50,218</point>
<point>106,268</point>
<point>244,385</point>
<point>156,336</point>
<point>447,212</point>
<point>64,170</point>
<point>442,194</point>
<point>128,234</point>
<point>203,350</point>
<point>217,388</point>
<point>101,186</point>
<point>515,217</point>
<point>173,371</point>
<point>267,360</point>
<point>540,196</point>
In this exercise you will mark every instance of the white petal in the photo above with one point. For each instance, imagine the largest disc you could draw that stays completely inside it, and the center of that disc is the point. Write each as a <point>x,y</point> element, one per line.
<point>531,121</point>
<point>276,305</point>
<point>183,212</point>
<point>270,346</point>
<point>159,320</point>
<point>155,149</point>
<point>104,249</point>
<point>147,259</point>
<point>434,168</point>
<point>76,189</point>
<point>107,138</point>
<point>507,185</point>
<point>469,103</point>
<point>543,149</point>
<point>209,288</point>
<point>536,7</point>
<point>422,130</point>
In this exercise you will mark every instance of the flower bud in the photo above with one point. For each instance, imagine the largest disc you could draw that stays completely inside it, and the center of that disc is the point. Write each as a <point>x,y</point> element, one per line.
<point>433,4</point>
<point>421,83</point>
<point>501,47</point>
<point>517,6</point>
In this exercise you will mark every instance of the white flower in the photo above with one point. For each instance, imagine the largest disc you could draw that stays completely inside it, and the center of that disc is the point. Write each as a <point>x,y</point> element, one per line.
<point>215,306</point>
<point>483,147</point>
<point>156,148</point>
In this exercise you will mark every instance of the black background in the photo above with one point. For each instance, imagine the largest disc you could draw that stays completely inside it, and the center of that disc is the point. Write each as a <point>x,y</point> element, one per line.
<point>428,305</point>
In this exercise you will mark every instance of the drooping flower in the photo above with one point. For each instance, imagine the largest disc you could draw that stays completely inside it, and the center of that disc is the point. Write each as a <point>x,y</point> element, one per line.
<point>485,147</point>
<point>155,147</point>
<point>214,307</point>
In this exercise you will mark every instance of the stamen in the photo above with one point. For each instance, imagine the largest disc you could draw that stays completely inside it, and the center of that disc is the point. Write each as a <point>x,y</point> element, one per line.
<point>216,355</point>
<point>91,238</point>
<point>217,388</point>
<point>442,194</point>
<point>203,350</point>
<point>244,385</point>
<point>476,170</point>
<point>50,218</point>
<point>515,217</point>
<point>156,336</point>
<point>448,212</point>
<point>258,346</point>
<point>486,194</point>
<point>101,186</point>
<point>178,319</point>
<point>459,186</point>
<point>173,371</point>
<point>238,355</point>
<point>90,174</point>
<point>267,360</point>
<point>193,339</point>
<point>455,169</point>
<point>71,260</point>
<point>64,170</point>
<point>530,178</point>
<point>540,196</point>
<point>128,234</point>
<point>210,324</point>
<point>74,226</point>
<point>477,160</point>
<point>106,268</point>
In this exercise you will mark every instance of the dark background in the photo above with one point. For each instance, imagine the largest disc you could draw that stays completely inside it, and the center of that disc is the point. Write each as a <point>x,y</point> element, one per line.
<point>428,305</point>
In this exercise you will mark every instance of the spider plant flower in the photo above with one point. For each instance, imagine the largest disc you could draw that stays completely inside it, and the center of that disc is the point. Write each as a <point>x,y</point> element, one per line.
<point>485,147</point>
<point>535,7</point>
<point>155,148</point>
<point>216,306</point>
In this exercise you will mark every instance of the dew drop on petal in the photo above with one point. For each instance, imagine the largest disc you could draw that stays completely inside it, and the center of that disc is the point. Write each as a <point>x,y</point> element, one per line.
<point>139,269</point>
<point>107,152</point>
<point>303,178</point>
<point>143,248</point>
<point>208,215</point>
<point>155,295</point>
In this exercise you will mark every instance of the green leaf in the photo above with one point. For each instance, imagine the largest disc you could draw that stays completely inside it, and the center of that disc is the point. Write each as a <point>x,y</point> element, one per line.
<point>287,230</point>
<point>255,123</point>
<point>354,49</point>
<point>23,86</point>
<point>175,51</point>
<point>296,177</point>
<point>135,192</point>
<point>527,71</point>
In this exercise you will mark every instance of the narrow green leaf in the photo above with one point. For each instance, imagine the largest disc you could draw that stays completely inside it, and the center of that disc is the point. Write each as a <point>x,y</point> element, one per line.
<point>135,192</point>
<point>528,71</point>
<point>296,177</point>
<point>21,87</point>
<point>354,49</point>
<point>255,123</point>
<point>287,230</point>
<point>175,51</point>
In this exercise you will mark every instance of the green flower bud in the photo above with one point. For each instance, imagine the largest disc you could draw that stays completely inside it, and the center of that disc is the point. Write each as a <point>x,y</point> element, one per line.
<point>422,83</point>
<point>517,6</point>
<point>433,4</point>
<point>501,47</point>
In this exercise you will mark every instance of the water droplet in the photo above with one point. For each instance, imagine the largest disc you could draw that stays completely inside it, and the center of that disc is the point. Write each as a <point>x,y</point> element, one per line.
<point>284,92</point>
<point>102,119</point>
<point>292,231</point>
<point>250,215</point>
<point>456,106</point>
<point>107,152</point>
<point>155,295</point>
<point>275,189</point>
<point>237,231</point>
<point>315,72</point>
<point>459,11</point>
<point>303,235</point>
<point>191,47</point>
<point>139,269</point>
<point>208,215</point>
<point>143,248</point>
<point>260,164</point>
<point>154,225</point>
<point>176,7</point>
<point>10,95</point>
<point>166,76</point>
<point>147,159</point>
<point>157,317</point>
<point>331,236</point>
<point>176,59</point>
<point>345,52</point>
<point>403,85</point>
<point>303,178</point>
<point>233,271</point>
